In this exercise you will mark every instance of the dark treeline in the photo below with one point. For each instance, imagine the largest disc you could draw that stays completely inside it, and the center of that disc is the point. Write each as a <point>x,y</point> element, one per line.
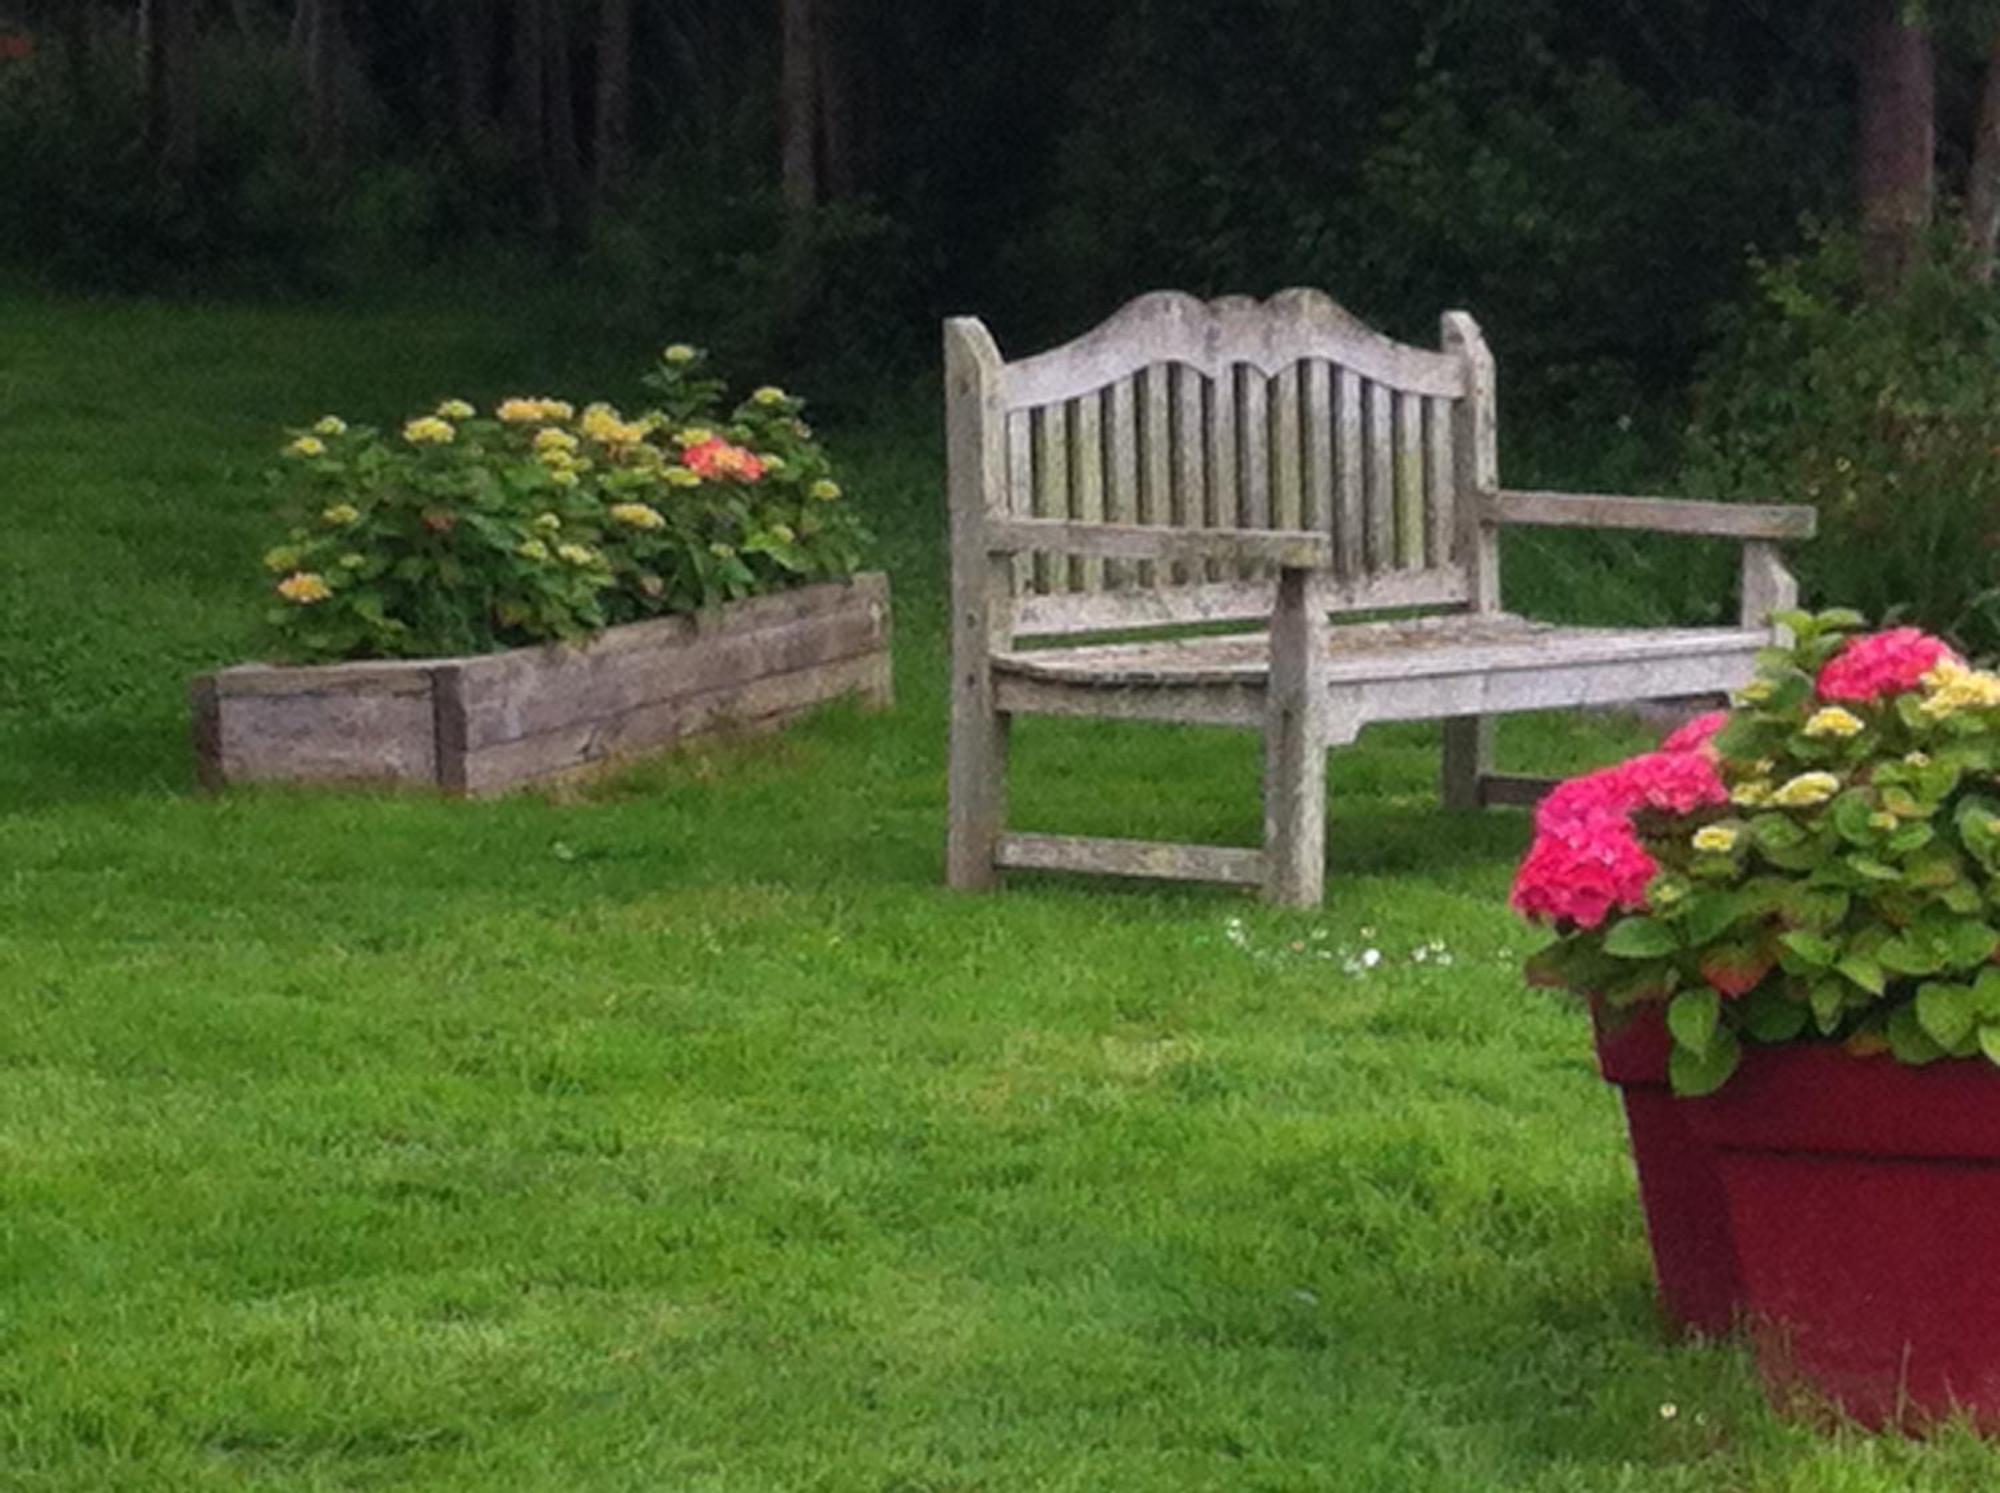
<point>819,179</point>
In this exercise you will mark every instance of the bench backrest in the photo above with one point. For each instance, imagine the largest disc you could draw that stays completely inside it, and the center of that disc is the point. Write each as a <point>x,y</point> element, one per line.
<point>1231,414</point>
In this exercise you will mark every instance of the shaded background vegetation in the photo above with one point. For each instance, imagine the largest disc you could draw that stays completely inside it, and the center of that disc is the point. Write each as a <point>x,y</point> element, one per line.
<point>808,185</point>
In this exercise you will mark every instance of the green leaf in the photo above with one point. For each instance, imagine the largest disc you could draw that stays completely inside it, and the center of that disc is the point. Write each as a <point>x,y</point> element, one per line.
<point>1693,1074</point>
<point>1771,1017</point>
<point>1813,950</point>
<point>1908,1040</point>
<point>1640,938</point>
<point>1871,869</point>
<point>1863,971</point>
<point>1708,915</point>
<point>1907,954</point>
<point>1945,1012</point>
<point>1829,1004</point>
<point>1989,1042</point>
<point>1692,1017</point>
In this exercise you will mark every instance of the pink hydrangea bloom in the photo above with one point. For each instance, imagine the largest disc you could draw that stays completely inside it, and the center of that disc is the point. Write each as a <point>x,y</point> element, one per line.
<point>1697,733</point>
<point>1883,663</point>
<point>1581,877</point>
<point>1673,782</point>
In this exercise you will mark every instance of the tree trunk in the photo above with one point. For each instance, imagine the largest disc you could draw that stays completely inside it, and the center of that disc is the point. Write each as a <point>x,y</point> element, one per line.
<point>833,72</point>
<point>472,73</point>
<point>565,171</point>
<point>528,116</point>
<point>1982,188</point>
<point>326,93</point>
<point>610,153</point>
<point>798,107</point>
<point>167,41</point>
<point>1898,141</point>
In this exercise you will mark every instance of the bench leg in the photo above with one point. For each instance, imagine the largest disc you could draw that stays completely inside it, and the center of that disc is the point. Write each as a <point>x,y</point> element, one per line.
<point>1294,809</point>
<point>1468,757</point>
<point>978,790</point>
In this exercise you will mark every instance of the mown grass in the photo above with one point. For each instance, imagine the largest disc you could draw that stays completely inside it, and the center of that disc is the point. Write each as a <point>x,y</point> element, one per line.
<point>687,1135</point>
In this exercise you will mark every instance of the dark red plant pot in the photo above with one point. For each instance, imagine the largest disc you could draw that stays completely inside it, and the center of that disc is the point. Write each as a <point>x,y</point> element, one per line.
<point>1687,1213</point>
<point>1864,1201</point>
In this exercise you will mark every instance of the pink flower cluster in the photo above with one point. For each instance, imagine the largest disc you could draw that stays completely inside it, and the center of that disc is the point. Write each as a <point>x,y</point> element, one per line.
<point>1883,663</point>
<point>1586,859</point>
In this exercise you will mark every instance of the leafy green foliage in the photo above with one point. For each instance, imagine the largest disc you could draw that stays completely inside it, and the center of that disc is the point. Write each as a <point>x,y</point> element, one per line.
<point>1850,889</point>
<point>1883,410</point>
<point>468,533</point>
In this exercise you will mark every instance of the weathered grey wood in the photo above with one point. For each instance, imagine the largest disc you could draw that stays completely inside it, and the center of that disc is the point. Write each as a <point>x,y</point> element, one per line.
<point>1767,587</point>
<point>1475,466</point>
<point>1288,498</point>
<point>1351,523</point>
<point>1020,490</point>
<point>1052,572</point>
<point>1253,436</point>
<point>749,707</point>
<point>1372,484</point>
<point>1192,497</point>
<point>1316,422</point>
<point>1156,458</point>
<point>1661,515</point>
<point>1295,740</point>
<point>1161,542</point>
<point>492,722</point>
<point>1225,601</point>
<point>1168,327</point>
<point>1411,490</point>
<point>1443,495</point>
<point>1121,501</point>
<point>1151,860</point>
<point>1087,480</point>
<point>205,720</point>
<point>977,463</point>
<point>1380,404</point>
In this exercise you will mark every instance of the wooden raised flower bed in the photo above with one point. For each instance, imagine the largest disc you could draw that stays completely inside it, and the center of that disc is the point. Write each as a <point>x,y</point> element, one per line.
<point>494,722</point>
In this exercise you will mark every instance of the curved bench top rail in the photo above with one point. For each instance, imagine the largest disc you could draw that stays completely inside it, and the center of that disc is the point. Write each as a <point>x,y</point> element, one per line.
<point>1170,326</point>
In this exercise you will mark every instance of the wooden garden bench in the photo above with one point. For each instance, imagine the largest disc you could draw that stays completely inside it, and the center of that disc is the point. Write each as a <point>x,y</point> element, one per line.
<point>1279,464</point>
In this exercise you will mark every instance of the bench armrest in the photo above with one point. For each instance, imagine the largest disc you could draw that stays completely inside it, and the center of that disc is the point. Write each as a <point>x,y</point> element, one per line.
<point>1661,515</point>
<point>1291,549</point>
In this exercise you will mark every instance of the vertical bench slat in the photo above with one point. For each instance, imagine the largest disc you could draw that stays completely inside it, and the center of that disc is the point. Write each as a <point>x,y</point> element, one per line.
<point>1086,465</point>
<point>1052,571</point>
<point>1381,478</point>
<point>1156,459</point>
<point>1223,467</point>
<point>1351,525</point>
<point>1192,497</point>
<point>1316,416</point>
<point>1287,476</point>
<point>1021,487</point>
<point>1409,481</point>
<point>1253,443</point>
<point>1122,488</point>
<point>1443,490</point>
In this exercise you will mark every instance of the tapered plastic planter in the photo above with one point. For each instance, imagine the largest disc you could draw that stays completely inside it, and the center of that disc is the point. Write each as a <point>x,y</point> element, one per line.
<point>1864,1205</point>
<point>1687,1213</point>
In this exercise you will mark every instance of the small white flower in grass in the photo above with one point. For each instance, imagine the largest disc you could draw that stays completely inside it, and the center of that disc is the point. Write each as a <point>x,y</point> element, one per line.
<point>1669,1410</point>
<point>1370,958</point>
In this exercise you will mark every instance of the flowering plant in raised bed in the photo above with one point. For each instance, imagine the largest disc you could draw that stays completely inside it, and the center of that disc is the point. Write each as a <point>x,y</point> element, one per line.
<point>465,532</point>
<point>1819,863</point>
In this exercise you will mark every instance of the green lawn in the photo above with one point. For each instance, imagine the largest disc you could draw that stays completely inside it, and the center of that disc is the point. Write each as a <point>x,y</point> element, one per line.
<point>689,1136</point>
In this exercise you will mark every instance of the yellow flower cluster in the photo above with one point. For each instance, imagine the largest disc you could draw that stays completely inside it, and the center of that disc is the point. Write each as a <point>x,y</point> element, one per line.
<point>532,549</point>
<point>552,438</point>
<point>306,445</point>
<point>284,557</point>
<point>1715,838</point>
<point>520,411</point>
<point>429,430</point>
<point>1805,790</point>
<point>638,515</point>
<point>1749,795</point>
<point>826,490</point>
<point>602,423</point>
<point>548,523</point>
<point>340,515</point>
<point>1833,721</point>
<point>456,409</point>
<point>304,587</point>
<point>681,477</point>
<point>679,353</point>
<point>576,554</point>
<point>770,396</point>
<point>330,425</point>
<point>1951,687</point>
